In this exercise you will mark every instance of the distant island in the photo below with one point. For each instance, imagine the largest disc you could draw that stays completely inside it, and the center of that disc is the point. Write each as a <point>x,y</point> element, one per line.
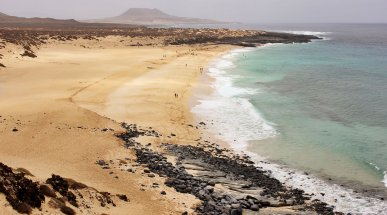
<point>133,16</point>
<point>145,16</point>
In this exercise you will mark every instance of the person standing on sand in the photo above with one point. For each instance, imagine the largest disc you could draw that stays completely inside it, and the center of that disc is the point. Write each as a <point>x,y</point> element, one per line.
<point>201,70</point>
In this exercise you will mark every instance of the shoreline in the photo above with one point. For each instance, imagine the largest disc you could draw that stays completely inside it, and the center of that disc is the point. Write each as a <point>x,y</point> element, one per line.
<point>333,194</point>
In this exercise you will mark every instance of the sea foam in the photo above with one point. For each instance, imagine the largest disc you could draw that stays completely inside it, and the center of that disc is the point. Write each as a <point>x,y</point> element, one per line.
<point>343,199</point>
<point>385,178</point>
<point>229,110</point>
<point>323,35</point>
<point>384,173</point>
<point>314,33</point>
<point>235,120</point>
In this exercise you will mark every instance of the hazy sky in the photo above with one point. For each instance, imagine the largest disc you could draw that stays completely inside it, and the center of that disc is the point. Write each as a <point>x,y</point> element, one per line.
<point>249,11</point>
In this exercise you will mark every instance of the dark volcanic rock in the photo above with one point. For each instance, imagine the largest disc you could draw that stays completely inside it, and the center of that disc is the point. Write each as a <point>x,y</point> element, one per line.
<point>123,198</point>
<point>101,162</point>
<point>133,132</point>
<point>68,211</point>
<point>35,34</point>
<point>62,186</point>
<point>47,191</point>
<point>24,195</point>
<point>20,192</point>
<point>236,167</point>
<point>254,207</point>
<point>104,198</point>
<point>28,53</point>
<point>320,207</point>
<point>219,166</point>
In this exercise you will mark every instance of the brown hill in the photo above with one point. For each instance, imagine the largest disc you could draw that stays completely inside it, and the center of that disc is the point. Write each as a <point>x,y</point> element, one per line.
<point>145,16</point>
<point>7,19</point>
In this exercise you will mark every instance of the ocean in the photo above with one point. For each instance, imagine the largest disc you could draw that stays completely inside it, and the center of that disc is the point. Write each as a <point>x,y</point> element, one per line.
<point>314,114</point>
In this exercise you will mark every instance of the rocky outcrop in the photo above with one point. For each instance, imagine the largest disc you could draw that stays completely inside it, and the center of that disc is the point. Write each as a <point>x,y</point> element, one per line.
<point>22,193</point>
<point>65,195</point>
<point>32,38</point>
<point>225,182</point>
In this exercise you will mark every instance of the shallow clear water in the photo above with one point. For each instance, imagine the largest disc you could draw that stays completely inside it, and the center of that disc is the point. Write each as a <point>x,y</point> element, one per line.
<point>328,100</point>
<point>319,107</point>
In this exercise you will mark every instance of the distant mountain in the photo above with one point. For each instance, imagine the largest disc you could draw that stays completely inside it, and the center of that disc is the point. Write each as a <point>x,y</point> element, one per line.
<point>3,14</point>
<point>145,16</point>
<point>7,19</point>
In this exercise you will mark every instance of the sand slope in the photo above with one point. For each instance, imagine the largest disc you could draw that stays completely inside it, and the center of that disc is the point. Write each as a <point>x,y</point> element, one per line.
<point>61,102</point>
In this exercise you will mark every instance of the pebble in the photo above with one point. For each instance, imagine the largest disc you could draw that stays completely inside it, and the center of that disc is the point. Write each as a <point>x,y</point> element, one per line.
<point>254,208</point>
<point>101,162</point>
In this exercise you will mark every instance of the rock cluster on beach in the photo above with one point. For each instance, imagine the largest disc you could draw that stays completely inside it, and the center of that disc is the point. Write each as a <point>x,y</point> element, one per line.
<point>65,195</point>
<point>22,193</point>
<point>226,183</point>
<point>134,132</point>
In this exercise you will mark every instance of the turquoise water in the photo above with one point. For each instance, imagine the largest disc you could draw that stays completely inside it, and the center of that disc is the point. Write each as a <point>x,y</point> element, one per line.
<point>327,100</point>
<point>316,111</point>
